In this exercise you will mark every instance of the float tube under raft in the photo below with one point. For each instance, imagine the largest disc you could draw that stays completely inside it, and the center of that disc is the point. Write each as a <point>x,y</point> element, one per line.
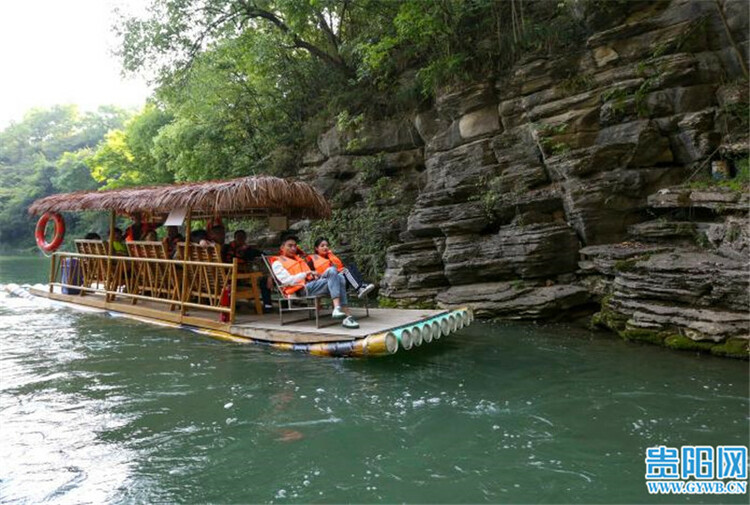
<point>383,333</point>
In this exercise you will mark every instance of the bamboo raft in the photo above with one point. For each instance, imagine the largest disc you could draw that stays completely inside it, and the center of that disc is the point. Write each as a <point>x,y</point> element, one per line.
<point>385,332</point>
<point>200,292</point>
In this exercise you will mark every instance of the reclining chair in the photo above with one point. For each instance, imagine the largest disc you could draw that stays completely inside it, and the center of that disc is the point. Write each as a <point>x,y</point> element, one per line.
<point>303,303</point>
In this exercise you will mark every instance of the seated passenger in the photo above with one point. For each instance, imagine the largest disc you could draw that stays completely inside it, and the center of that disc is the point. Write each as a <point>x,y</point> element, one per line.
<point>295,276</point>
<point>198,236</point>
<point>323,259</point>
<point>118,244</point>
<point>134,231</point>
<point>238,248</point>
<point>92,236</point>
<point>139,229</point>
<point>216,235</point>
<point>172,238</point>
<point>150,236</point>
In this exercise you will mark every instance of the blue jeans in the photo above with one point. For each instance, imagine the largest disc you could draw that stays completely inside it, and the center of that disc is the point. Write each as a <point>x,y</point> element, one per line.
<point>331,282</point>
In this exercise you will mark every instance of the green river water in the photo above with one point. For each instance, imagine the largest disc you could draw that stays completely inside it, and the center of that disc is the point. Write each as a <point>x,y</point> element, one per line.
<point>98,409</point>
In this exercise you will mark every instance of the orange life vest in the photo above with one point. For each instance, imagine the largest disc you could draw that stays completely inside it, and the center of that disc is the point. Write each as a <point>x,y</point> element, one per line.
<point>322,264</point>
<point>137,231</point>
<point>294,266</point>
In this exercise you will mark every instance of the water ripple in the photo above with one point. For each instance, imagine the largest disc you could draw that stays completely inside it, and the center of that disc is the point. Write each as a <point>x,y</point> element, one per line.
<point>105,410</point>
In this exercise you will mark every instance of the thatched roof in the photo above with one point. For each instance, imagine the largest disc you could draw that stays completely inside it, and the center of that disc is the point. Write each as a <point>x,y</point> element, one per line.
<point>260,195</point>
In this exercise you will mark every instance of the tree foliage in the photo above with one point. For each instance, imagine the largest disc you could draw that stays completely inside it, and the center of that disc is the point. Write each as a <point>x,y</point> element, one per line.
<point>247,86</point>
<point>126,157</point>
<point>175,31</point>
<point>46,153</point>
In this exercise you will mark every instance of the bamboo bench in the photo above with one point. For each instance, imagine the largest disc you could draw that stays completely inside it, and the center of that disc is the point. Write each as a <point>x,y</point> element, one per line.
<point>208,282</point>
<point>113,276</point>
<point>93,270</point>
<point>157,279</point>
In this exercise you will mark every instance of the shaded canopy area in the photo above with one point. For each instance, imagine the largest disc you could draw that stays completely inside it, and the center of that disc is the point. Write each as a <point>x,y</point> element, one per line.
<point>245,196</point>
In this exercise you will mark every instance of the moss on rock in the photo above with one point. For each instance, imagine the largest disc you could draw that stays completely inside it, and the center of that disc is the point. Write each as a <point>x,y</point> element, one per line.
<point>385,302</point>
<point>626,265</point>
<point>608,318</point>
<point>683,343</point>
<point>630,264</point>
<point>732,348</point>
<point>642,335</point>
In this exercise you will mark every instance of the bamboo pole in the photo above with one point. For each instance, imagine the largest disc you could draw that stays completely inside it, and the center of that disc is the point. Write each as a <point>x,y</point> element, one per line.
<point>232,294</point>
<point>185,258</point>
<point>146,260</point>
<point>109,251</point>
<point>51,272</point>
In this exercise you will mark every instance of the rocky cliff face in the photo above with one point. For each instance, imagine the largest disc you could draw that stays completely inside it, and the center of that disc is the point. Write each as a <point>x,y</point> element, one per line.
<point>564,183</point>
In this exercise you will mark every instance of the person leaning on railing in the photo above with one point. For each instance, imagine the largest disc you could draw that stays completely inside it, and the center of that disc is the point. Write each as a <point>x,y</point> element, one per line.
<point>295,275</point>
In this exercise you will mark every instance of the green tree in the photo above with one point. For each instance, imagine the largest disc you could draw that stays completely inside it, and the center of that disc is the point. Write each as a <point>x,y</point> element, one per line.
<point>46,152</point>
<point>126,156</point>
<point>73,172</point>
<point>176,31</point>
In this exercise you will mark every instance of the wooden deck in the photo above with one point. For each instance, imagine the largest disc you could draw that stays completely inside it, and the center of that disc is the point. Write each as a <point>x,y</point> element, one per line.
<point>331,340</point>
<point>267,327</point>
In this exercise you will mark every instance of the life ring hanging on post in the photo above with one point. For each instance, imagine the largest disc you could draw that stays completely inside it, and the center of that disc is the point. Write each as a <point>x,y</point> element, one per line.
<point>41,227</point>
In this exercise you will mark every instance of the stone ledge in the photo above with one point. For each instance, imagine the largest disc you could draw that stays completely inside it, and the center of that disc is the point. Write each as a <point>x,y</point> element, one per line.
<point>696,324</point>
<point>717,199</point>
<point>514,300</point>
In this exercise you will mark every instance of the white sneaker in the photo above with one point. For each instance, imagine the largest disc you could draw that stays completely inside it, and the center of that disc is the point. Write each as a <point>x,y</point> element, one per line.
<point>338,313</point>
<point>365,290</point>
<point>350,323</point>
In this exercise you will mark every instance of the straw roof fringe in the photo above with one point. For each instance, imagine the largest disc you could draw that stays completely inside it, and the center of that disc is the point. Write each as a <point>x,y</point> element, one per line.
<point>245,195</point>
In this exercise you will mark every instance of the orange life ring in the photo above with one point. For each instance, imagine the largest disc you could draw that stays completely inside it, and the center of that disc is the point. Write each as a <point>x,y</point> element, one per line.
<point>41,227</point>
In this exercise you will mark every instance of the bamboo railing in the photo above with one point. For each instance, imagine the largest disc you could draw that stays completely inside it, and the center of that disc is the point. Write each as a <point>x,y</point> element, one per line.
<point>180,284</point>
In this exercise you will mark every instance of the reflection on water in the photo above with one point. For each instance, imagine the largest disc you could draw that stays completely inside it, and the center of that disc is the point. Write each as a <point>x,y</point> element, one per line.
<point>103,410</point>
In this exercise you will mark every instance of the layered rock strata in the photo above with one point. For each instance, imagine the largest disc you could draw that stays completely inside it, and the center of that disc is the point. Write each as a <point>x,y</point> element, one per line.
<point>557,184</point>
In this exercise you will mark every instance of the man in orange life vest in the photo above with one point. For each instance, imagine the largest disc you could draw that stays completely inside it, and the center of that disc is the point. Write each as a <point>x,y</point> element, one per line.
<point>323,259</point>
<point>295,275</point>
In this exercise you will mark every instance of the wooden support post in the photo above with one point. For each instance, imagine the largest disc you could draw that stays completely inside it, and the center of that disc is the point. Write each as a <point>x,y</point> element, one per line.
<point>107,281</point>
<point>52,272</point>
<point>255,285</point>
<point>185,258</point>
<point>233,293</point>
